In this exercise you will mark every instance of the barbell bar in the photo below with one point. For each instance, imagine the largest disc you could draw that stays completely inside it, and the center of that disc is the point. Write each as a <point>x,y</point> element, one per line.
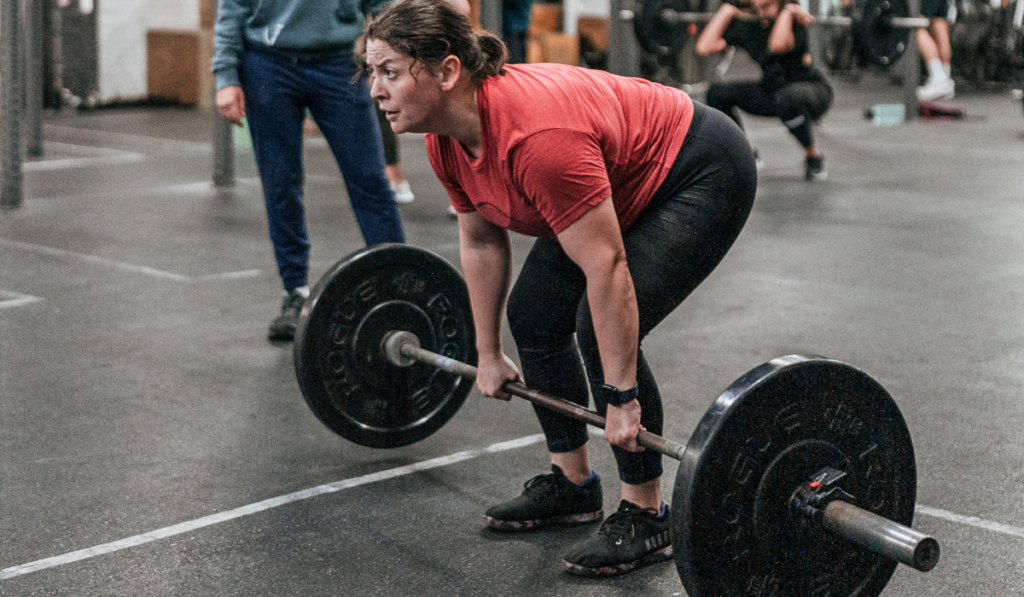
<point>799,479</point>
<point>880,26</point>
<point>672,16</point>
<point>870,531</point>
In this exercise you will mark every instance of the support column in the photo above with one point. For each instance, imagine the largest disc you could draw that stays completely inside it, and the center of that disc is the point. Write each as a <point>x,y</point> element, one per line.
<point>11,99</point>
<point>623,49</point>
<point>223,151</point>
<point>33,13</point>
<point>490,16</point>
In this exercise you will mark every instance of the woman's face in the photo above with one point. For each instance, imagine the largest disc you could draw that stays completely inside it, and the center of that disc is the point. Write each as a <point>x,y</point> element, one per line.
<point>409,95</point>
<point>767,10</point>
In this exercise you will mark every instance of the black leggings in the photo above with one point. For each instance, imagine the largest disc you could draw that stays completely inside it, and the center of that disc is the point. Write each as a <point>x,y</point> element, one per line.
<point>677,241</point>
<point>798,105</point>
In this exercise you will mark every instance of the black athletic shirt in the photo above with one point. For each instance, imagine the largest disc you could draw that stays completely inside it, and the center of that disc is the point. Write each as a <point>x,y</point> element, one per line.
<point>777,70</point>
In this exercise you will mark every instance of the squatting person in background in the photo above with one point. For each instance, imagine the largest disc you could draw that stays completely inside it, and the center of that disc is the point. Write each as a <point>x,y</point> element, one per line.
<point>790,89</point>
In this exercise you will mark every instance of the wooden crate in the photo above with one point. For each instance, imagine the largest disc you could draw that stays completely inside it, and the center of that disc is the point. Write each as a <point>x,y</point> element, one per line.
<point>554,47</point>
<point>545,18</point>
<point>595,31</point>
<point>178,66</point>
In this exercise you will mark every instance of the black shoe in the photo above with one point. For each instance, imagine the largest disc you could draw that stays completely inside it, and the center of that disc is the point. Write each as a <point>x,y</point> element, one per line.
<point>283,326</point>
<point>631,538</point>
<point>814,168</point>
<point>549,499</point>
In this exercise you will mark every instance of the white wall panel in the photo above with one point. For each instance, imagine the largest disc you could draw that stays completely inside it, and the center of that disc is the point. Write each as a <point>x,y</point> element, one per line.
<point>122,40</point>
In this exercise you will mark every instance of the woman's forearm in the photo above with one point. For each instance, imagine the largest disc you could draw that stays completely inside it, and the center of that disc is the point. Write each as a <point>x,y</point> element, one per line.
<point>487,265</point>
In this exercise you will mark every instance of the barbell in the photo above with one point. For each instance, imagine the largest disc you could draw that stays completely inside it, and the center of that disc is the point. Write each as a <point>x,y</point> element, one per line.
<point>880,27</point>
<point>800,478</point>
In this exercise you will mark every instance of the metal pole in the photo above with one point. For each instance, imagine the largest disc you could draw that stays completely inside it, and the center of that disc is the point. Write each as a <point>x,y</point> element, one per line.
<point>623,49</point>
<point>490,16</point>
<point>912,69</point>
<point>223,151</point>
<point>11,182</point>
<point>34,77</point>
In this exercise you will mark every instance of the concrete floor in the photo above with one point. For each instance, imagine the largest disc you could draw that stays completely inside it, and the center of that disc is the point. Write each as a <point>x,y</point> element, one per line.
<point>145,420</point>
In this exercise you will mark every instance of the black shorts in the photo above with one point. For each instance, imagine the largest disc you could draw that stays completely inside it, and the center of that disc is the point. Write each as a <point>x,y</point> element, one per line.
<point>935,9</point>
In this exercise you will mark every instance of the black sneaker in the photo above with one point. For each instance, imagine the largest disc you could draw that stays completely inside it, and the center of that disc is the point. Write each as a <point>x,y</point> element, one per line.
<point>814,168</point>
<point>547,500</point>
<point>631,538</point>
<point>283,326</point>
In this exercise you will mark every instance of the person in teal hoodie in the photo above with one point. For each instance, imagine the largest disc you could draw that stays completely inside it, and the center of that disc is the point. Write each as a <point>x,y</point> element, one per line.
<point>274,60</point>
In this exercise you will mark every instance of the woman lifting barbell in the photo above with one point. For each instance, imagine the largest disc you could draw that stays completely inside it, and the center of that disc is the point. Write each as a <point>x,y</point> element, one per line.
<point>791,88</point>
<point>634,192</point>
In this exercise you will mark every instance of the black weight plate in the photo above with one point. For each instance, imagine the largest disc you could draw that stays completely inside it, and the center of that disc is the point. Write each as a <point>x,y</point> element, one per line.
<point>877,41</point>
<point>653,33</point>
<point>342,371</point>
<point>770,432</point>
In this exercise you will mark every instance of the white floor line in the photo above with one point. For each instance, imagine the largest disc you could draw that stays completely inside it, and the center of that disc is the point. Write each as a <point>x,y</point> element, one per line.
<point>188,526</point>
<point>13,299</point>
<point>158,143</point>
<point>90,162</point>
<point>127,267</point>
<point>974,521</point>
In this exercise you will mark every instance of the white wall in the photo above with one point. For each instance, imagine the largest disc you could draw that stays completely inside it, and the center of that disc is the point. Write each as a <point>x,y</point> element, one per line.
<point>122,28</point>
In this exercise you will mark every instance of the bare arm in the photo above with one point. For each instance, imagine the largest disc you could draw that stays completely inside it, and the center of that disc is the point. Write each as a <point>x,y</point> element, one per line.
<point>781,39</point>
<point>711,40</point>
<point>486,255</point>
<point>594,242</point>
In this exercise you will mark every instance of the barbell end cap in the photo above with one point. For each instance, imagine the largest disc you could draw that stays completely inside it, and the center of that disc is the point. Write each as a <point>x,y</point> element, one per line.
<point>926,555</point>
<point>392,347</point>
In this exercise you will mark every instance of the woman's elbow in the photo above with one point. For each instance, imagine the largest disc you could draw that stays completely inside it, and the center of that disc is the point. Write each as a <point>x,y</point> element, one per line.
<point>705,47</point>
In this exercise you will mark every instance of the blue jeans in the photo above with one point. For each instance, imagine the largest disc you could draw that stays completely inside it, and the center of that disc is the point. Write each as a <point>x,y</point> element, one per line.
<point>673,246</point>
<point>279,88</point>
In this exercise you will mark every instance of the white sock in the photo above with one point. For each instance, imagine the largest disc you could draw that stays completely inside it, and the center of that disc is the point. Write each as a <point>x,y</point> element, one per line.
<point>936,73</point>
<point>949,70</point>
<point>303,290</point>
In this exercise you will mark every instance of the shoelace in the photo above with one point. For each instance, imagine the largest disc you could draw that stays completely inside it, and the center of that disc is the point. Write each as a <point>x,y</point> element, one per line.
<point>618,525</point>
<point>534,485</point>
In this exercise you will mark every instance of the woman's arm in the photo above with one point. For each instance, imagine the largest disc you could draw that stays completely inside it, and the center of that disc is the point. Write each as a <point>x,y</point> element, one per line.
<point>781,39</point>
<point>711,40</point>
<point>486,255</point>
<point>594,242</point>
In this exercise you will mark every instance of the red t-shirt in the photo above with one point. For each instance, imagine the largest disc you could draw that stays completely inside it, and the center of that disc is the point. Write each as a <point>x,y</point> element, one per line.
<point>558,140</point>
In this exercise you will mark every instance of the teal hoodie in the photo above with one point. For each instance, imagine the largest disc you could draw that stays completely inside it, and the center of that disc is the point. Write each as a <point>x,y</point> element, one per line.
<point>297,25</point>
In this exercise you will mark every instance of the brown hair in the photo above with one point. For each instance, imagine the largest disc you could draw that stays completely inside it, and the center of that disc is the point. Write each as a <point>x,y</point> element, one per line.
<point>431,30</point>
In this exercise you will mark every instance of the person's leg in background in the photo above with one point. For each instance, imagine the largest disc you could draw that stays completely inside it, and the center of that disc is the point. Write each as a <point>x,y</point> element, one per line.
<point>393,161</point>
<point>746,96</point>
<point>799,105</point>
<point>274,105</point>
<point>936,52</point>
<point>344,111</point>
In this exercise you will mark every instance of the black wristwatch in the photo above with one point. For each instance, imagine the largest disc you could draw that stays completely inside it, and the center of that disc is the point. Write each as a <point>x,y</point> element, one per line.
<point>614,396</point>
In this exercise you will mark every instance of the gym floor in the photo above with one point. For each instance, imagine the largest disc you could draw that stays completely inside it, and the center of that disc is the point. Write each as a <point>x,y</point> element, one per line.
<point>155,443</point>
